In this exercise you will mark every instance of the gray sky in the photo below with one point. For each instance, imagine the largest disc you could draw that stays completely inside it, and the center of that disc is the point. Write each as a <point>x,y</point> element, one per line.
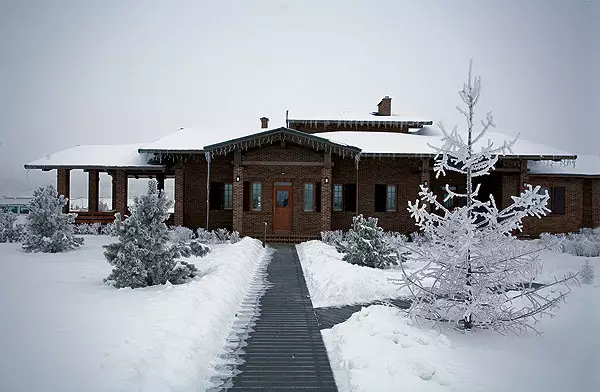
<point>103,72</point>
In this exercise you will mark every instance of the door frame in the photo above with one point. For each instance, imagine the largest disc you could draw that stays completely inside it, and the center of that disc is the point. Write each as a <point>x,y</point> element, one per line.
<point>290,189</point>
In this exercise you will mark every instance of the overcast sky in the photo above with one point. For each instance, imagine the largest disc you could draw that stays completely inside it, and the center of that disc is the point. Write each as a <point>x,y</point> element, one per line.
<point>105,72</point>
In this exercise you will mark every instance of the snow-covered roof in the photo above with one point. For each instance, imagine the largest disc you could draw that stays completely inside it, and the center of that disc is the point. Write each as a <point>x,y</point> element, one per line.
<point>191,140</point>
<point>584,165</point>
<point>359,117</point>
<point>416,143</point>
<point>95,156</point>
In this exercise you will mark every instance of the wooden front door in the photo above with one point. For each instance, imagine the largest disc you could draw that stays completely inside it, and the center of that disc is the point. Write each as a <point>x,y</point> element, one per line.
<point>282,206</point>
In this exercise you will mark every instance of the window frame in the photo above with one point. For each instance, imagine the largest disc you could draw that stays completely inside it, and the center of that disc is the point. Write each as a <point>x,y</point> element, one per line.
<point>387,198</point>
<point>253,190</point>
<point>337,195</point>
<point>228,192</point>
<point>312,199</point>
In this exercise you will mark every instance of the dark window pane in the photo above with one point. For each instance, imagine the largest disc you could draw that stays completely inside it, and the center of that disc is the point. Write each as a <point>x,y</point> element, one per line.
<point>380,197</point>
<point>338,197</point>
<point>350,197</point>
<point>309,195</point>
<point>256,196</point>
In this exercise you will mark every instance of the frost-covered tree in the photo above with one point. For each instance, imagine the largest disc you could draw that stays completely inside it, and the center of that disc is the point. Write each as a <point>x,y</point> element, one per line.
<point>10,230</point>
<point>587,273</point>
<point>472,262</point>
<point>48,229</point>
<point>365,244</point>
<point>144,255</point>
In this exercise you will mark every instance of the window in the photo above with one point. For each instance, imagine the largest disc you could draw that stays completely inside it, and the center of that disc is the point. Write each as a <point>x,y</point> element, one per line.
<point>257,196</point>
<point>221,196</point>
<point>228,197</point>
<point>391,198</point>
<point>338,197</point>
<point>309,197</point>
<point>449,204</point>
<point>344,197</point>
<point>556,204</point>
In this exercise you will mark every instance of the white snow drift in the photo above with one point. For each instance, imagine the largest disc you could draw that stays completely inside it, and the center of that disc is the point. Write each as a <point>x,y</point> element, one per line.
<point>64,330</point>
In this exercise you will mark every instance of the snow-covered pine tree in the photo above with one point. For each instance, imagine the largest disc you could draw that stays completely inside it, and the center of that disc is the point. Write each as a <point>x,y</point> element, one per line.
<point>473,263</point>
<point>144,256</point>
<point>48,229</point>
<point>365,245</point>
<point>10,230</point>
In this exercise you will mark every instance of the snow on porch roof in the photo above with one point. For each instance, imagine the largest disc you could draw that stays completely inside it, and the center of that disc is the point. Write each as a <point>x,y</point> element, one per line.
<point>95,157</point>
<point>416,143</point>
<point>585,165</point>
<point>189,140</point>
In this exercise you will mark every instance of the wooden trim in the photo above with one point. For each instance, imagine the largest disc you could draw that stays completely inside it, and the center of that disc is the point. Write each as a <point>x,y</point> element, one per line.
<point>280,163</point>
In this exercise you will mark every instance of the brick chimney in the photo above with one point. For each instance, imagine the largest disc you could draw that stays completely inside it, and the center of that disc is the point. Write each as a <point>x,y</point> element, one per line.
<point>264,122</point>
<point>384,108</point>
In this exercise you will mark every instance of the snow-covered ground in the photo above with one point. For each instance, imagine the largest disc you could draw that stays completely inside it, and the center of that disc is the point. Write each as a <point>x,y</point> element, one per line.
<point>380,349</point>
<point>62,329</point>
<point>334,282</point>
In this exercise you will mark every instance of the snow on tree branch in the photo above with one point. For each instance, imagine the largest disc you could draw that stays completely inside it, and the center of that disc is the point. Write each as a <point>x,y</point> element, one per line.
<point>473,264</point>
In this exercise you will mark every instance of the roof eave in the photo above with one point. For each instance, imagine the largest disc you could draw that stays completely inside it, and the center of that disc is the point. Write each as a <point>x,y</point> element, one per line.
<point>103,167</point>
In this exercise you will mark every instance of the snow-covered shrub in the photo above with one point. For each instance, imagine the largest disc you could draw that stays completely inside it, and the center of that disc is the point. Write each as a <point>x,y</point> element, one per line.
<point>48,228</point>
<point>395,239</point>
<point>204,236</point>
<point>235,237</point>
<point>10,231</point>
<point>219,236</point>
<point>332,237</point>
<point>473,260</point>
<point>110,229</point>
<point>90,229</point>
<point>144,256</point>
<point>584,243</point>
<point>365,245</point>
<point>180,234</point>
<point>419,239</point>
<point>586,274</point>
<point>96,228</point>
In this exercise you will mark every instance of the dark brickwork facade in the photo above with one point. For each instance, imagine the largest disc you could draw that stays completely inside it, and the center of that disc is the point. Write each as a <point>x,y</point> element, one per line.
<point>582,204</point>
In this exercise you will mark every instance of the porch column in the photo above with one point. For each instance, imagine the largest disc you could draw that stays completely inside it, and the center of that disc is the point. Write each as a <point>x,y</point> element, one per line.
<point>63,185</point>
<point>425,175</point>
<point>178,218</point>
<point>119,190</point>
<point>160,181</point>
<point>238,192</point>
<point>93,191</point>
<point>326,182</point>
<point>523,176</point>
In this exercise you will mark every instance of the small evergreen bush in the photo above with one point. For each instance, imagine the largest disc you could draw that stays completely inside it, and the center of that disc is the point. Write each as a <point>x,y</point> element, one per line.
<point>48,228</point>
<point>144,255</point>
<point>585,243</point>
<point>10,231</point>
<point>365,245</point>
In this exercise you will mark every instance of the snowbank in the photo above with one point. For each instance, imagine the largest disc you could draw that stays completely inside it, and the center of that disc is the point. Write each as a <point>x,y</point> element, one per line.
<point>333,282</point>
<point>380,349</point>
<point>62,329</point>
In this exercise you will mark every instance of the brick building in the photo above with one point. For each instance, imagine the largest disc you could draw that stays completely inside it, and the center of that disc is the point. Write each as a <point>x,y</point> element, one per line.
<point>314,174</point>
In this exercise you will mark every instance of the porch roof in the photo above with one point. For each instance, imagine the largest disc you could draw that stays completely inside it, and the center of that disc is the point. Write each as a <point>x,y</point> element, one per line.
<point>269,136</point>
<point>96,157</point>
<point>584,165</point>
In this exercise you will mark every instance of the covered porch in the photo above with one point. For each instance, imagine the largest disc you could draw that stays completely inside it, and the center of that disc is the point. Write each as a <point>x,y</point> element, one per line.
<point>120,162</point>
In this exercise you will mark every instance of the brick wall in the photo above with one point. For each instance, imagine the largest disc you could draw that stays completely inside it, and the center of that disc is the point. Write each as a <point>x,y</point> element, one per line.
<point>195,171</point>
<point>571,220</point>
<point>308,223</point>
<point>405,173</point>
